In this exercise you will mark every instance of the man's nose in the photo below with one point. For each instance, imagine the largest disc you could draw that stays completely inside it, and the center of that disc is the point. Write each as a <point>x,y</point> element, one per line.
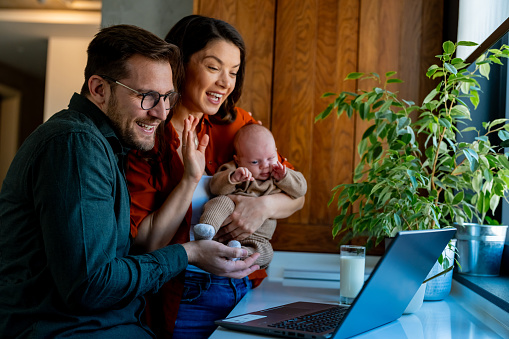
<point>159,111</point>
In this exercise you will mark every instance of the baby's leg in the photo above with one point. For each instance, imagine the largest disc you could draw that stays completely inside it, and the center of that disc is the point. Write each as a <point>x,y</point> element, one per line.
<point>215,211</point>
<point>236,244</point>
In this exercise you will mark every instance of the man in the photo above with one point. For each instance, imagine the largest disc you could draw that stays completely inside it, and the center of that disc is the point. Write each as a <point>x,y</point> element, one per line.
<point>65,270</point>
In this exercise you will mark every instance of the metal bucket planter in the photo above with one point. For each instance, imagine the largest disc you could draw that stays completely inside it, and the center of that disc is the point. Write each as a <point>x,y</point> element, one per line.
<point>480,249</point>
<point>438,288</point>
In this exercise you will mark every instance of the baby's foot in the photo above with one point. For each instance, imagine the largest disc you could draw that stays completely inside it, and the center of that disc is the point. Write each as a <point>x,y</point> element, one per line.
<point>204,232</point>
<point>236,244</point>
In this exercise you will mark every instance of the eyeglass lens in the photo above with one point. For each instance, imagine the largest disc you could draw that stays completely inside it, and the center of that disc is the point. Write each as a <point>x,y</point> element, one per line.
<point>151,99</point>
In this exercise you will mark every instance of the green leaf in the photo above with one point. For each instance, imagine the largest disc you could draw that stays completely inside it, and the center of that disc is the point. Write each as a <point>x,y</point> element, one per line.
<point>465,87</point>
<point>444,122</point>
<point>432,70</point>
<point>458,198</point>
<point>368,132</point>
<point>354,75</point>
<point>468,211</point>
<point>503,160</point>
<point>430,96</point>
<point>474,98</point>
<point>448,47</point>
<point>495,199</point>
<point>394,80</point>
<point>484,69</point>
<point>468,129</point>
<point>461,110</point>
<point>327,94</point>
<point>389,74</point>
<point>467,43</point>
<point>503,135</point>
<point>397,220</point>
<point>476,182</point>
<point>451,68</point>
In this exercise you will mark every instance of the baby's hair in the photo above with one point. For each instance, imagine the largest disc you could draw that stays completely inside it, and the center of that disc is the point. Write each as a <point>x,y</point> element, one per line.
<point>248,128</point>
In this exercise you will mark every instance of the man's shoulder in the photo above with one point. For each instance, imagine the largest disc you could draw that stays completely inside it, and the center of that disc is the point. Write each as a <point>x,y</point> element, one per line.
<point>68,122</point>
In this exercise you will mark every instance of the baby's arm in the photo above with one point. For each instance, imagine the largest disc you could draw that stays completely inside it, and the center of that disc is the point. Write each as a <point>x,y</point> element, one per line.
<point>278,171</point>
<point>294,184</point>
<point>241,174</point>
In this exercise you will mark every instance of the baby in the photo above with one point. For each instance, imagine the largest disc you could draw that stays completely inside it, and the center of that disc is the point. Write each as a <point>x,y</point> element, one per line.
<point>254,172</point>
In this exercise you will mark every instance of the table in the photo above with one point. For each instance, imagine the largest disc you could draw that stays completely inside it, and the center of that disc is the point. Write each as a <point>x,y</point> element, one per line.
<point>455,317</point>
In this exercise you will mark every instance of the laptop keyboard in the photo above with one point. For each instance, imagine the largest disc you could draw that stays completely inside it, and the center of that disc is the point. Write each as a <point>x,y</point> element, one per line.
<point>317,322</point>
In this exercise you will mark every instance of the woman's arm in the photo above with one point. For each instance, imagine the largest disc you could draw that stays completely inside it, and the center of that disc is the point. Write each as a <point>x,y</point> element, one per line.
<point>158,228</point>
<point>250,212</point>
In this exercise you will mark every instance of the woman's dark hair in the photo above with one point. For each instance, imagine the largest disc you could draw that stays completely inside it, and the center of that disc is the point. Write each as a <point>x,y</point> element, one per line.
<point>110,49</point>
<point>192,34</point>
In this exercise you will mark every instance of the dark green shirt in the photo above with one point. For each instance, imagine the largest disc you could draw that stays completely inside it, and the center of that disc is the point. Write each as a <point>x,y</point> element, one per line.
<point>64,235</point>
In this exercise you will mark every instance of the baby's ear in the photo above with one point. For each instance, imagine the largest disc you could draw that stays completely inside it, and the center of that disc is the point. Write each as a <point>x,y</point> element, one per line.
<point>236,159</point>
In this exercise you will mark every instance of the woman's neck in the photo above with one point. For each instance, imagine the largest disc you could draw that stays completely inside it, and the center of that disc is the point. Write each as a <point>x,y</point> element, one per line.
<point>179,115</point>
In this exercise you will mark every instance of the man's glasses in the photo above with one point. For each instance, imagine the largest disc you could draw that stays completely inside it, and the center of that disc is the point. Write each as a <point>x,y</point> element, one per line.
<point>150,99</point>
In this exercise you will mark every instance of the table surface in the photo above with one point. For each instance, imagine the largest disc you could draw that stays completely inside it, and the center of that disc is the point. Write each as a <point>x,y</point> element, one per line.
<point>450,318</point>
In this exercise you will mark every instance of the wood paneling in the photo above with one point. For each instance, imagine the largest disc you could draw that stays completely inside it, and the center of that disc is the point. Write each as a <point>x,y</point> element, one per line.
<point>255,20</point>
<point>300,49</point>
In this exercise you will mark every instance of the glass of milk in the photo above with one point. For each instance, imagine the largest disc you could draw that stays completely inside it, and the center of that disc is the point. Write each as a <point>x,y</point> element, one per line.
<point>351,272</point>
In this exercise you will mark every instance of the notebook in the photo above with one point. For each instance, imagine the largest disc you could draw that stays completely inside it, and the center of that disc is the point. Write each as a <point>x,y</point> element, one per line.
<point>383,298</point>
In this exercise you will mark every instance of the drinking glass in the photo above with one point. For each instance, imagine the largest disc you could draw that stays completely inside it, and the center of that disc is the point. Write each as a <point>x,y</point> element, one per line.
<point>351,272</point>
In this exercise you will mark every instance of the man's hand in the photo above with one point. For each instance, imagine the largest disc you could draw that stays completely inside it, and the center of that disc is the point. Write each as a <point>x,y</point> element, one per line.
<point>215,258</point>
<point>278,171</point>
<point>245,219</point>
<point>242,174</point>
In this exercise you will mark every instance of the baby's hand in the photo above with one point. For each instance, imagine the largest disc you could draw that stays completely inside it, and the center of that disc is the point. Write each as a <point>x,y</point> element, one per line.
<point>242,174</point>
<point>278,171</point>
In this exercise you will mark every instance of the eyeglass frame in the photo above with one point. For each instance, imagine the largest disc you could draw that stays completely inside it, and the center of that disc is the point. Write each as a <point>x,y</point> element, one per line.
<point>167,95</point>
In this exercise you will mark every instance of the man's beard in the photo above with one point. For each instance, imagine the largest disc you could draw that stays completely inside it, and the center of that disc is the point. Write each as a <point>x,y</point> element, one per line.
<point>126,135</point>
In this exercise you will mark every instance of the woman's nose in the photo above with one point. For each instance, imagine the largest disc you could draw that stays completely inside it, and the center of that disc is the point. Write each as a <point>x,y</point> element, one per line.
<point>225,80</point>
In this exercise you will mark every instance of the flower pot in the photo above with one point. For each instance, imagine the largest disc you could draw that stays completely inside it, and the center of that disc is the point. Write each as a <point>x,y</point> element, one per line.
<point>480,249</point>
<point>438,288</point>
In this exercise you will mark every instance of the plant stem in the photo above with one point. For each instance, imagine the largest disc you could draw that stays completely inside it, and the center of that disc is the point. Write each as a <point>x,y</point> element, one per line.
<point>439,274</point>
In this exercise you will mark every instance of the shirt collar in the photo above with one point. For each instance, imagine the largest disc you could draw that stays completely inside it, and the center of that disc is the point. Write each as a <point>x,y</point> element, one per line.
<point>86,107</point>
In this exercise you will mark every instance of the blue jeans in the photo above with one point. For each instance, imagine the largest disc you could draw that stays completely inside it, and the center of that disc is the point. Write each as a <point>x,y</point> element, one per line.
<point>206,298</point>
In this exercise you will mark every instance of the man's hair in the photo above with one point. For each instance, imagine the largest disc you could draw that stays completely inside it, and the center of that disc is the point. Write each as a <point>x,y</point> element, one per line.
<point>192,34</point>
<point>110,49</point>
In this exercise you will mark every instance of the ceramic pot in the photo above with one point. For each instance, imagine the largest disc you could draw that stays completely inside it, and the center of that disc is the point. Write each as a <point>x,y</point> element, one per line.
<point>439,288</point>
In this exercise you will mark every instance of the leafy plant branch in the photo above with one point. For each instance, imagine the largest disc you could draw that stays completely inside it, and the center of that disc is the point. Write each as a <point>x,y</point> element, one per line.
<point>401,184</point>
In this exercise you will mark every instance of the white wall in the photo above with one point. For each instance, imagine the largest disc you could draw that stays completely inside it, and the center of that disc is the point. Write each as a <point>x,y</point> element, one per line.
<point>9,127</point>
<point>477,19</point>
<point>156,16</point>
<point>65,67</point>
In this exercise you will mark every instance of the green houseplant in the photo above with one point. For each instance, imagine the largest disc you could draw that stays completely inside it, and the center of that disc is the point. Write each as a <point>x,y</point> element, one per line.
<point>415,173</point>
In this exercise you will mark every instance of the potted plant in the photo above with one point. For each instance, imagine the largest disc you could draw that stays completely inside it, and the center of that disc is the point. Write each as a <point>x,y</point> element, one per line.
<point>415,174</point>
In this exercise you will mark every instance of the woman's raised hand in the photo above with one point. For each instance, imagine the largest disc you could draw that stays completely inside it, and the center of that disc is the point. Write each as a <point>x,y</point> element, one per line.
<point>193,153</point>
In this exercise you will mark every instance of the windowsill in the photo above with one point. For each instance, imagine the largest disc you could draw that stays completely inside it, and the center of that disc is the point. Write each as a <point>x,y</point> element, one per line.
<point>493,289</point>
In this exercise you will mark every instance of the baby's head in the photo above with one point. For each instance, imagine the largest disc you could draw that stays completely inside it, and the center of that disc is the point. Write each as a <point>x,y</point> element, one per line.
<point>255,149</point>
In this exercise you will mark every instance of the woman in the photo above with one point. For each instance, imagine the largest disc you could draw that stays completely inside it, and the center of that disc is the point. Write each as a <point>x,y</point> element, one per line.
<point>162,182</point>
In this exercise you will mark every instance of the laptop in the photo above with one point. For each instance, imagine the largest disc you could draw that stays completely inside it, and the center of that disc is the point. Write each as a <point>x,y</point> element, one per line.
<point>383,298</point>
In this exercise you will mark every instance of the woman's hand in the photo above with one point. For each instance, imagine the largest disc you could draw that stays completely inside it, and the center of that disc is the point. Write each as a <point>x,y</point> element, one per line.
<point>251,212</point>
<point>247,217</point>
<point>193,156</point>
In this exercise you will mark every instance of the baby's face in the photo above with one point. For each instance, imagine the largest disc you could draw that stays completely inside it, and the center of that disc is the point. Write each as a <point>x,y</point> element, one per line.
<point>257,154</point>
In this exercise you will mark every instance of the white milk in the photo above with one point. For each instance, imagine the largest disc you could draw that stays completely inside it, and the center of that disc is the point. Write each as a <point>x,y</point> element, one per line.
<point>351,269</point>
